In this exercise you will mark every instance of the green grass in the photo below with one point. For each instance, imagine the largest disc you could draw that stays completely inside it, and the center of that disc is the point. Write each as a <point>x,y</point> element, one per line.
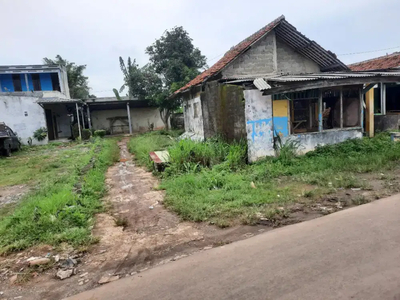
<point>54,212</point>
<point>142,145</point>
<point>210,181</point>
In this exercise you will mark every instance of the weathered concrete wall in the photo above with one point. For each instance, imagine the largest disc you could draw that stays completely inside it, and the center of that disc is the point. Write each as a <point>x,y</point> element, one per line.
<point>193,117</point>
<point>223,111</point>
<point>309,141</point>
<point>23,115</point>
<point>141,119</point>
<point>259,125</point>
<point>260,59</point>
<point>291,62</point>
<point>63,120</point>
<point>387,122</point>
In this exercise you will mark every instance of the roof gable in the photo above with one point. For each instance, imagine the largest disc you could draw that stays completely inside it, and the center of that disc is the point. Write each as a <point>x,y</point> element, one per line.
<point>379,63</point>
<point>289,34</point>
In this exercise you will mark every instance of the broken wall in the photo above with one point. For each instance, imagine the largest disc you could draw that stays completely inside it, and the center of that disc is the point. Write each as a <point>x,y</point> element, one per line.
<point>193,117</point>
<point>309,141</point>
<point>223,111</point>
<point>259,125</point>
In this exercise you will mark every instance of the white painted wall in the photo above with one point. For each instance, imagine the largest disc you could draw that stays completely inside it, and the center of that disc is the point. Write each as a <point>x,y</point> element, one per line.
<point>309,141</point>
<point>141,119</point>
<point>12,112</point>
<point>193,122</point>
<point>259,125</point>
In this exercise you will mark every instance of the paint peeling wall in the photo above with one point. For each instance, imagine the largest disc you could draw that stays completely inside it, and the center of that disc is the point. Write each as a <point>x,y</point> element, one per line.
<point>223,109</point>
<point>193,116</point>
<point>23,115</point>
<point>141,119</point>
<point>259,125</point>
<point>309,141</point>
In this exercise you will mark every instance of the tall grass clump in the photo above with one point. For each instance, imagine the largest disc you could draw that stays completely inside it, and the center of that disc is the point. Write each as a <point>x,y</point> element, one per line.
<point>190,156</point>
<point>142,145</point>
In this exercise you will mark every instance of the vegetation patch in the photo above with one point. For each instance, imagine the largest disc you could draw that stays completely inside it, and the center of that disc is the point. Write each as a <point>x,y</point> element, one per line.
<point>210,181</point>
<point>54,212</point>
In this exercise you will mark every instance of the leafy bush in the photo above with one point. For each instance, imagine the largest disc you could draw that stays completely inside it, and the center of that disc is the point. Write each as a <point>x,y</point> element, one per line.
<point>100,133</point>
<point>40,134</point>
<point>75,131</point>
<point>86,134</point>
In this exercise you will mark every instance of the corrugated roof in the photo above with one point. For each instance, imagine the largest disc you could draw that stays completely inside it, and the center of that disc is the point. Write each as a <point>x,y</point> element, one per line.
<point>55,100</point>
<point>391,61</point>
<point>323,76</point>
<point>288,33</point>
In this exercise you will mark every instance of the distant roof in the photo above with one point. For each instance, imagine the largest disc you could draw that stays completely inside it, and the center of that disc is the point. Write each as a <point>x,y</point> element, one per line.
<point>391,61</point>
<point>55,100</point>
<point>29,69</point>
<point>288,33</point>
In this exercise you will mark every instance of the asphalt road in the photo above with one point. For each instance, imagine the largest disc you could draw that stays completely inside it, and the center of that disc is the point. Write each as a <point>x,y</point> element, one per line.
<point>353,254</point>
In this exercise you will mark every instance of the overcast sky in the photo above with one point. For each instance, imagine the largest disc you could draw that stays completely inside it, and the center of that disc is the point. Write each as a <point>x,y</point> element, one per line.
<point>97,32</point>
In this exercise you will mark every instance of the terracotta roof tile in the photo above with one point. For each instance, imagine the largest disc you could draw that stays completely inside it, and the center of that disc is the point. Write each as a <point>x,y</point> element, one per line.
<point>232,54</point>
<point>380,63</point>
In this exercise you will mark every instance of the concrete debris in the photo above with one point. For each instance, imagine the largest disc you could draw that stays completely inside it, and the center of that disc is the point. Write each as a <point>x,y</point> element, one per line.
<point>84,274</point>
<point>40,261</point>
<point>64,274</point>
<point>356,189</point>
<point>208,248</point>
<point>107,279</point>
<point>32,258</point>
<point>133,273</point>
<point>13,279</point>
<point>69,263</point>
<point>56,258</point>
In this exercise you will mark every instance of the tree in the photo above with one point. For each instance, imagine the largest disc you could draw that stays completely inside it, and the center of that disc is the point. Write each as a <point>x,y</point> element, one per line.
<point>176,61</point>
<point>77,82</point>
<point>142,83</point>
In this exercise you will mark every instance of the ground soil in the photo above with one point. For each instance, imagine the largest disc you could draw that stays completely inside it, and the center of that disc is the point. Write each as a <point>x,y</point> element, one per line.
<point>138,232</point>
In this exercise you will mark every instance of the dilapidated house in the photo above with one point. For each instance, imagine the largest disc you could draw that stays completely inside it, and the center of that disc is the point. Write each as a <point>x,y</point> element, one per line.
<point>385,97</point>
<point>278,82</point>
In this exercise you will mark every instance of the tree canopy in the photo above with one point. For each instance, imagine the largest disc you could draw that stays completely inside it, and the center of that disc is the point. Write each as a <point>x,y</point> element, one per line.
<point>77,82</point>
<point>175,58</point>
<point>174,61</point>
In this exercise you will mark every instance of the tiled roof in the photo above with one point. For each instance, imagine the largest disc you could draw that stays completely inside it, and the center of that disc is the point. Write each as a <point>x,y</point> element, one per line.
<point>380,63</point>
<point>232,54</point>
<point>284,30</point>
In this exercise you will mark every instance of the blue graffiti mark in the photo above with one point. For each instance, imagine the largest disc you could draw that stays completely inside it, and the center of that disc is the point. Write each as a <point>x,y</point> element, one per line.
<point>281,126</point>
<point>258,123</point>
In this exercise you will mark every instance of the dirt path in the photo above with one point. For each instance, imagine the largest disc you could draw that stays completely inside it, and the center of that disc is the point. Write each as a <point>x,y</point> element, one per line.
<point>135,234</point>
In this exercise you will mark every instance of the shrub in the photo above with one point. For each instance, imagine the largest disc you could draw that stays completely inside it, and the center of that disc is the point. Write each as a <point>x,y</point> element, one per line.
<point>86,134</point>
<point>40,134</point>
<point>100,133</point>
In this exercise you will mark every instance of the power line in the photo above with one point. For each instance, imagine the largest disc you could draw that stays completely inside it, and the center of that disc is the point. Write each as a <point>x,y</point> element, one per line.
<point>354,53</point>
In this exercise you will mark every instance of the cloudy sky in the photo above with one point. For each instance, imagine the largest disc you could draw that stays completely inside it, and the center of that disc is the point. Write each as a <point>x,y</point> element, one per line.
<point>97,32</point>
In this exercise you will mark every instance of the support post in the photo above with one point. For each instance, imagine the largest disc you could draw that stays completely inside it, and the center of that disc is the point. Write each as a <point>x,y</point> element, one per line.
<point>26,82</point>
<point>341,107</point>
<point>320,117</point>
<point>361,108</point>
<point>83,119</point>
<point>79,122</point>
<point>129,117</point>
<point>383,98</point>
<point>88,115</point>
<point>369,120</point>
